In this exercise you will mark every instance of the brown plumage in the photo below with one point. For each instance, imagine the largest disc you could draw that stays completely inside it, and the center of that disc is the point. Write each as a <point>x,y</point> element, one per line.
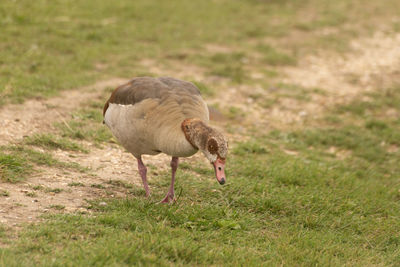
<point>164,115</point>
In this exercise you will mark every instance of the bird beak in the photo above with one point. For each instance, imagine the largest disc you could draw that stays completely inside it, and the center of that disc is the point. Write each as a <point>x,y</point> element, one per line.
<point>219,168</point>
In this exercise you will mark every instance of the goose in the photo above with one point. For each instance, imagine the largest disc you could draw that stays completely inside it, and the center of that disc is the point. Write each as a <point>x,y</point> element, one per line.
<point>150,115</point>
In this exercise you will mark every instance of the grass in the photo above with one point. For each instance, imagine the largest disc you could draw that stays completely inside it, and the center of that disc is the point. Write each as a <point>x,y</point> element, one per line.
<point>86,125</point>
<point>73,184</point>
<point>48,189</point>
<point>38,187</point>
<point>51,141</point>
<point>235,113</point>
<point>53,190</point>
<point>119,183</point>
<point>98,186</point>
<point>247,148</point>
<point>43,45</point>
<point>264,217</point>
<point>13,168</point>
<point>229,65</point>
<point>332,201</point>
<point>4,193</point>
<point>16,162</point>
<point>272,57</point>
<point>204,89</point>
<point>277,92</point>
<point>57,207</point>
<point>30,194</point>
<point>312,208</point>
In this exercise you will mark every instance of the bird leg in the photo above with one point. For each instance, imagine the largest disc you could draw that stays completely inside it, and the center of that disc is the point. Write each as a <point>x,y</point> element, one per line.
<point>170,195</point>
<point>143,171</point>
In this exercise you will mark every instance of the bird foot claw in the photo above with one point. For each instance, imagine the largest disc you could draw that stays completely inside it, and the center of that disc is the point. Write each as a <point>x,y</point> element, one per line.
<point>168,199</point>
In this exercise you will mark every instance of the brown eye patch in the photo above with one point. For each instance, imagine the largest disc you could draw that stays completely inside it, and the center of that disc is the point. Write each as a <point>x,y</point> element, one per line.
<point>212,146</point>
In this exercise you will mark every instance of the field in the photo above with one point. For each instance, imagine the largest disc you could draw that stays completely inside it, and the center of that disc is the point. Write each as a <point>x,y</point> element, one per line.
<point>307,92</point>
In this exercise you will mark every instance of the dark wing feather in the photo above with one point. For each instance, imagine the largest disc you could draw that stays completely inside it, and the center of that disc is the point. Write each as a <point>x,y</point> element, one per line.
<point>142,88</point>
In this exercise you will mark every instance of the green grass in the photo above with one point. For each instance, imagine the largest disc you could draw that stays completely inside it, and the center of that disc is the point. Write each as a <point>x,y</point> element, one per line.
<point>312,208</point>
<point>98,186</point>
<point>289,210</point>
<point>38,187</point>
<point>30,194</point>
<point>13,168</point>
<point>235,113</point>
<point>73,184</point>
<point>3,231</point>
<point>17,161</point>
<point>275,92</point>
<point>86,125</point>
<point>204,89</point>
<point>272,57</point>
<point>57,207</point>
<point>47,189</point>
<point>4,193</point>
<point>51,141</point>
<point>51,46</point>
<point>247,148</point>
<point>53,190</point>
<point>119,183</point>
<point>230,65</point>
<point>361,130</point>
<point>45,159</point>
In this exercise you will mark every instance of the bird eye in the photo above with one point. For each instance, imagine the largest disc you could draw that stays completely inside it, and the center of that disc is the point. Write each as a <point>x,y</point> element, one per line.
<point>219,168</point>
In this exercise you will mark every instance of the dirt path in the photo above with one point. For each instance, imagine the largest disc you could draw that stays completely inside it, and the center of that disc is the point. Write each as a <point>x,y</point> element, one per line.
<point>35,116</point>
<point>374,63</point>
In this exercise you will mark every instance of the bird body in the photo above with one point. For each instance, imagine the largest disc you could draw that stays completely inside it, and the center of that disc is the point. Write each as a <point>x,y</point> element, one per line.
<point>153,125</point>
<point>160,115</point>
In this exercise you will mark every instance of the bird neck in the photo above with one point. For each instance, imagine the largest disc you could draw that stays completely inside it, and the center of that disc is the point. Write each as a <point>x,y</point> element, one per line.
<point>196,132</point>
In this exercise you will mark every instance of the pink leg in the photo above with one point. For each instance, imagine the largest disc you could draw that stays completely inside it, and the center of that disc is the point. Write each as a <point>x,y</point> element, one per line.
<point>170,195</point>
<point>143,172</point>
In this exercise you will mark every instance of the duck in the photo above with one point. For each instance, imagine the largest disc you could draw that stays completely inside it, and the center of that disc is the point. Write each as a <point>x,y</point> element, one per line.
<point>153,115</point>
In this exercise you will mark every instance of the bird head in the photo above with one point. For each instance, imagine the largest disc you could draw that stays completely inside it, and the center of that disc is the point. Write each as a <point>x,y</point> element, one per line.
<point>210,142</point>
<point>216,152</point>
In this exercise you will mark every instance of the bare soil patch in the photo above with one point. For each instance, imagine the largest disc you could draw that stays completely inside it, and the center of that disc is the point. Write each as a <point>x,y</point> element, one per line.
<point>328,79</point>
<point>38,115</point>
<point>373,64</point>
